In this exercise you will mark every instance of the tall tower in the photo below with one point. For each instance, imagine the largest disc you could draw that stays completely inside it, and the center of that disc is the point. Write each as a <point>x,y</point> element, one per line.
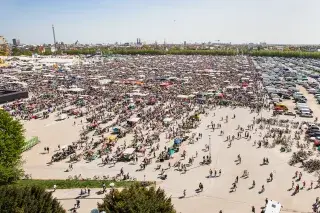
<point>54,37</point>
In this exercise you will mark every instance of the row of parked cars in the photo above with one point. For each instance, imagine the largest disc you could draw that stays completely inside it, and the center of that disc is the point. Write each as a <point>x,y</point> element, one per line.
<point>303,110</point>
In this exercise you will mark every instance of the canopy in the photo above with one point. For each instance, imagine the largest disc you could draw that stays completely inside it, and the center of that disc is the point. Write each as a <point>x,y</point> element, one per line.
<point>219,95</point>
<point>116,129</point>
<point>183,96</point>
<point>62,116</point>
<point>129,151</point>
<point>167,120</point>
<point>112,137</point>
<point>76,90</point>
<point>134,120</point>
<point>171,152</point>
<point>177,140</point>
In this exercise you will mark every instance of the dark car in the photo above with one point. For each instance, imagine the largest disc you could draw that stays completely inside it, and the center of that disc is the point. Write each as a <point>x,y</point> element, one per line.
<point>300,100</point>
<point>314,134</point>
<point>312,130</point>
<point>285,96</point>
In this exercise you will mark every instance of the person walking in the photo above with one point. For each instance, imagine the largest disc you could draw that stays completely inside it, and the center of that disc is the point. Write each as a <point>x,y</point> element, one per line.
<point>271,176</point>
<point>103,188</point>
<point>266,200</point>
<point>200,186</point>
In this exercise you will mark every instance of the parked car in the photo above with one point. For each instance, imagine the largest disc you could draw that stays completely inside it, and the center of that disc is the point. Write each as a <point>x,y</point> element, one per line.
<point>313,134</point>
<point>306,115</point>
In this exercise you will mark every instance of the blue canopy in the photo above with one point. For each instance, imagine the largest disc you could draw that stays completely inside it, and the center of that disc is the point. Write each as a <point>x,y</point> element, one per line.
<point>177,140</point>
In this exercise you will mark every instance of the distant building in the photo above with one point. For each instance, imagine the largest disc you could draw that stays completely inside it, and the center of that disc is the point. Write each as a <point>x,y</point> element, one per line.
<point>185,43</point>
<point>139,41</point>
<point>16,42</point>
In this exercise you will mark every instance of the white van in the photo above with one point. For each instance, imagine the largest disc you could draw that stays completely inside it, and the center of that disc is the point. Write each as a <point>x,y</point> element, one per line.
<point>273,207</point>
<point>304,111</point>
<point>299,105</point>
<point>297,95</point>
<point>302,105</point>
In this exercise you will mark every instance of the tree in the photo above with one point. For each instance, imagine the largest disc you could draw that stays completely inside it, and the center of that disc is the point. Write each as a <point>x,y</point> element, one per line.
<point>12,142</point>
<point>137,199</point>
<point>27,199</point>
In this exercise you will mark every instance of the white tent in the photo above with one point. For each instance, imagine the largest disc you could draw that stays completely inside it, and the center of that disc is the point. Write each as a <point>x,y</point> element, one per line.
<point>62,117</point>
<point>167,120</point>
<point>134,120</point>
<point>182,96</point>
<point>104,81</point>
<point>76,90</point>
<point>129,151</point>
<point>49,76</point>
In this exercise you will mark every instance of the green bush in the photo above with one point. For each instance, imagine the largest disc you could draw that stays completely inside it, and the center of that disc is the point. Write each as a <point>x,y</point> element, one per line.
<point>71,184</point>
<point>137,199</point>
<point>29,199</point>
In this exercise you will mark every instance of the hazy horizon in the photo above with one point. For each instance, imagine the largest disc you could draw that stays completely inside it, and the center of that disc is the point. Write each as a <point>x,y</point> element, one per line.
<point>106,21</point>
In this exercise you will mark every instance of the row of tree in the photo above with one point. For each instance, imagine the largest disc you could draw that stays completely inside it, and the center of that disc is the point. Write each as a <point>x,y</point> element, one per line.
<point>171,51</point>
<point>289,54</point>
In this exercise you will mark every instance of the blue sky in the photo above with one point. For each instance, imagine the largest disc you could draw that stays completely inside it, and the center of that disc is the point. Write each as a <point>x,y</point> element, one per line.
<point>108,21</point>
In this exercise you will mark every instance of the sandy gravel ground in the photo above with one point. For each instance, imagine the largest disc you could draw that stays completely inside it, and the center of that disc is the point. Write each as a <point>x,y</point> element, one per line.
<point>216,195</point>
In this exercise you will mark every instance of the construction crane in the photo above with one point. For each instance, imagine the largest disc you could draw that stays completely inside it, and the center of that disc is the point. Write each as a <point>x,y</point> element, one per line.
<point>76,42</point>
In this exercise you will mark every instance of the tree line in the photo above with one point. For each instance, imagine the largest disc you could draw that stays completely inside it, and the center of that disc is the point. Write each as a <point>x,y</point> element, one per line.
<point>171,51</point>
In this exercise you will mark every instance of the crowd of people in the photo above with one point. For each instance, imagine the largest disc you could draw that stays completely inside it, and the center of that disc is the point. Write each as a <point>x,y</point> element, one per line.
<point>146,100</point>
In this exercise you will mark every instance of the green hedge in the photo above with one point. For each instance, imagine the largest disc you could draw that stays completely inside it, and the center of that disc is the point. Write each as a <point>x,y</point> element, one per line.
<point>71,184</point>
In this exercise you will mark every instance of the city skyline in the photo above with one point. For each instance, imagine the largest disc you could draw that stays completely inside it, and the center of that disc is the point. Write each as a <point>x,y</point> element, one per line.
<point>105,21</point>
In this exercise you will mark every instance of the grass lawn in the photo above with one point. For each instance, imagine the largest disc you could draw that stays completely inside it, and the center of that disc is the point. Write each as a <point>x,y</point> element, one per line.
<point>71,184</point>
